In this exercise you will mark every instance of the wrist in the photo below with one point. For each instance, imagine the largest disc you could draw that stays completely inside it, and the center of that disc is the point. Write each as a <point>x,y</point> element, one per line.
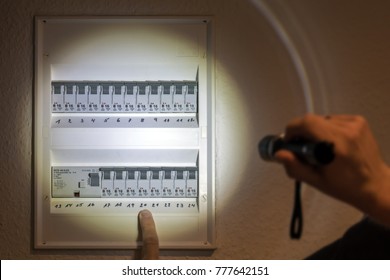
<point>378,204</point>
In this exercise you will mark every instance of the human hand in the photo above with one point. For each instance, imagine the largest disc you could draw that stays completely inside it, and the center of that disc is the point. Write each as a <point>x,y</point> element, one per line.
<point>357,175</point>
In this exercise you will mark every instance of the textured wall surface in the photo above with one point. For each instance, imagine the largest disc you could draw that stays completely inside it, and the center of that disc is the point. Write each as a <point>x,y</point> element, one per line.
<point>345,48</point>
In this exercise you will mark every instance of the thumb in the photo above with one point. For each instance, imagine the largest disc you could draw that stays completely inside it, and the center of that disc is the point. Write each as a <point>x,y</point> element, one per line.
<point>295,169</point>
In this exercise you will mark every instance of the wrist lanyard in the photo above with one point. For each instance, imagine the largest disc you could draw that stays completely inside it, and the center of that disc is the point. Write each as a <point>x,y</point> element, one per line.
<point>296,219</point>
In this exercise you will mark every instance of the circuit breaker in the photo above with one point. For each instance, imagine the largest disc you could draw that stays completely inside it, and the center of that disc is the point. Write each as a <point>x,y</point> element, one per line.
<point>124,122</point>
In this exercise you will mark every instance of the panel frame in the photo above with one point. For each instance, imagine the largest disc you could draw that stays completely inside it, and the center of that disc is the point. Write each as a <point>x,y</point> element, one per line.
<point>46,221</point>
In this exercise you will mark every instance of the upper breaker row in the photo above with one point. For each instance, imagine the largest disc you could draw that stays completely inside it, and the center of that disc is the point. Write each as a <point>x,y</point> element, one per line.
<point>134,96</point>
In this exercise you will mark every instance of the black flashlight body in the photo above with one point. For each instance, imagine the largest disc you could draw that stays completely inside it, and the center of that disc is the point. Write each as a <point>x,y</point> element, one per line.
<point>312,153</point>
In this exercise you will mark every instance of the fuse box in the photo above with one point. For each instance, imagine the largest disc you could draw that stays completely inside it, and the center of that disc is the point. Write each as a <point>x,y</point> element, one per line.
<point>124,121</point>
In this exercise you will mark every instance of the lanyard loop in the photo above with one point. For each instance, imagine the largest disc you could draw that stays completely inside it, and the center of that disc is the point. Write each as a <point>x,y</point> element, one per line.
<point>296,219</point>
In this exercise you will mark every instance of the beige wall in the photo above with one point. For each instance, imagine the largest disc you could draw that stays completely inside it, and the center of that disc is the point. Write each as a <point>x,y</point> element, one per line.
<point>342,44</point>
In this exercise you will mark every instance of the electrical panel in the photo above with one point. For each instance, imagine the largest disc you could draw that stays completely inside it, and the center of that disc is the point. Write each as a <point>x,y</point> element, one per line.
<point>124,121</point>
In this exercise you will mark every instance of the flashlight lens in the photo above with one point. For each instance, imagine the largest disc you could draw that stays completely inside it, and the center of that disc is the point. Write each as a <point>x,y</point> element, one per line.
<point>267,147</point>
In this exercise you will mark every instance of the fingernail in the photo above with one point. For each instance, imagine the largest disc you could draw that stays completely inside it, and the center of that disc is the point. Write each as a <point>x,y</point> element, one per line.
<point>145,213</point>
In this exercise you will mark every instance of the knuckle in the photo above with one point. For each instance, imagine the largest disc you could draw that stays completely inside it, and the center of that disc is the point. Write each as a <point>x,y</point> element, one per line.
<point>358,126</point>
<point>309,120</point>
<point>361,122</point>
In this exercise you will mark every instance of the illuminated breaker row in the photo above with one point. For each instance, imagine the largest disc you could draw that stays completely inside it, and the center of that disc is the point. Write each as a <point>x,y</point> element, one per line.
<point>124,182</point>
<point>138,97</point>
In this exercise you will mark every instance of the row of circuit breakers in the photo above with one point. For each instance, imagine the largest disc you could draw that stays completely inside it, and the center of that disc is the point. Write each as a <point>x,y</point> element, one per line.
<point>120,182</point>
<point>129,97</point>
<point>137,97</point>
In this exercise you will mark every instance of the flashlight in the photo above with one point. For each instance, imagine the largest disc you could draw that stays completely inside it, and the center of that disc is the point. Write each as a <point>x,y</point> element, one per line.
<point>312,153</point>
